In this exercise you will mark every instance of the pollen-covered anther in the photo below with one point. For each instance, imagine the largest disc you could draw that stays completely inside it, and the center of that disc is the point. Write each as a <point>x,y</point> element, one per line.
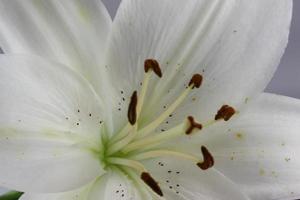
<point>192,125</point>
<point>152,64</point>
<point>196,81</point>
<point>225,112</point>
<point>132,114</point>
<point>208,160</point>
<point>146,177</point>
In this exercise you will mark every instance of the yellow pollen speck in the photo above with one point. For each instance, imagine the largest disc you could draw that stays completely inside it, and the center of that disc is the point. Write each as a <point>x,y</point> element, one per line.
<point>231,158</point>
<point>239,136</point>
<point>194,99</point>
<point>246,100</point>
<point>262,172</point>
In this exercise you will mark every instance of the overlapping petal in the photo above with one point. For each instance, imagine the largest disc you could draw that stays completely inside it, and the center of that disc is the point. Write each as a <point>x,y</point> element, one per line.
<point>258,150</point>
<point>49,126</point>
<point>236,45</point>
<point>44,164</point>
<point>71,32</point>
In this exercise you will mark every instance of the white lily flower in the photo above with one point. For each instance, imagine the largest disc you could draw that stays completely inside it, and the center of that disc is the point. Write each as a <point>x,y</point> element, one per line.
<point>165,102</point>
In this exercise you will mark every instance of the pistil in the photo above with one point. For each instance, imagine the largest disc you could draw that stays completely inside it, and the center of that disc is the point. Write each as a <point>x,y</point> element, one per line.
<point>195,82</point>
<point>193,125</point>
<point>156,139</point>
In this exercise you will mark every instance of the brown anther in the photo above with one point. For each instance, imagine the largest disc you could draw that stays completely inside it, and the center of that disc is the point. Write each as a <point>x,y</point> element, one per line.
<point>132,115</point>
<point>154,66</point>
<point>196,81</point>
<point>225,112</point>
<point>146,177</point>
<point>193,125</point>
<point>208,160</point>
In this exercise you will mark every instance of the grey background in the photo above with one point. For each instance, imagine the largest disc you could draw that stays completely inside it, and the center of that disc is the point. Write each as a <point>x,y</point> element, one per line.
<point>287,78</point>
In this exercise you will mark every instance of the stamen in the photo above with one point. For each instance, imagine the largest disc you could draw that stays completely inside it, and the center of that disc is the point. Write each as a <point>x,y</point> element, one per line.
<point>196,81</point>
<point>126,162</point>
<point>115,147</point>
<point>135,108</point>
<point>146,177</point>
<point>225,112</point>
<point>154,66</point>
<point>153,125</point>
<point>121,134</point>
<point>162,153</point>
<point>132,174</point>
<point>193,125</point>
<point>132,108</point>
<point>208,160</point>
<point>132,118</point>
<point>143,92</point>
<point>157,139</point>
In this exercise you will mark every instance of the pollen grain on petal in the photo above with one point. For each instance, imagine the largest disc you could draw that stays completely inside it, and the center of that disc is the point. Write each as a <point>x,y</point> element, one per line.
<point>225,112</point>
<point>196,81</point>
<point>193,125</point>
<point>146,177</point>
<point>208,160</point>
<point>132,114</point>
<point>154,66</point>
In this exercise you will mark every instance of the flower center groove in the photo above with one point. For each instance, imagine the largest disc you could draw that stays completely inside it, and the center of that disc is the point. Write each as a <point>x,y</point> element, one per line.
<point>132,144</point>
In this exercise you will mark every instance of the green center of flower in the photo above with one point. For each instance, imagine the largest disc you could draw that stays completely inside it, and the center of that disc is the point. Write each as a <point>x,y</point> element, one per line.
<point>134,144</point>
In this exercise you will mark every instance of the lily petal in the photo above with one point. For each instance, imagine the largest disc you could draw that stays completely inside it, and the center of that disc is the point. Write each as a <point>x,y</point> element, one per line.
<point>184,180</point>
<point>261,150</point>
<point>236,45</point>
<point>49,123</point>
<point>115,185</point>
<point>112,185</point>
<point>258,150</point>
<point>78,194</point>
<point>71,32</point>
<point>41,95</point>
<point>44,164</point>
